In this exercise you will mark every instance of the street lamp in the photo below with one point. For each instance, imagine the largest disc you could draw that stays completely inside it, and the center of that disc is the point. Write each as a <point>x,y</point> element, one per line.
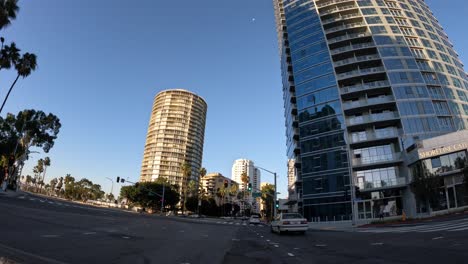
<point>274,174</point>
<point>112,184</point>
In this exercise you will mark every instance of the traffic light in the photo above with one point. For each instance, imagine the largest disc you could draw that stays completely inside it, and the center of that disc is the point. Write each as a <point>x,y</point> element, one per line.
<point>122,180</point>
<point>118,179</point>
<point>277,204</point>
<point>250,187</point>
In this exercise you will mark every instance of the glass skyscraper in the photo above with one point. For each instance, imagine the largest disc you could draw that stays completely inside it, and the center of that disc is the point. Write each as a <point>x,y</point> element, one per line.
<point>362,81</point>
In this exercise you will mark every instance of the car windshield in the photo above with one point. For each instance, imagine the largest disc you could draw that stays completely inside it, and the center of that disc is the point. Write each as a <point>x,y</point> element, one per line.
<point>292,216</point>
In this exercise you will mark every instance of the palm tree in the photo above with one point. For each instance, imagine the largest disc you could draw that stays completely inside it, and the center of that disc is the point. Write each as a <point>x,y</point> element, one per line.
<point>202,172</point>
<point>24,67</point>
<point>8,10</point>
<point>46,164</point>
<point>186,170</point>
<point>9,55</point>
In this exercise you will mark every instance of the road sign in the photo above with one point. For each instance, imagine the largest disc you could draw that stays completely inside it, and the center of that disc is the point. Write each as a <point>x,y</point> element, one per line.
<point>256,194</point>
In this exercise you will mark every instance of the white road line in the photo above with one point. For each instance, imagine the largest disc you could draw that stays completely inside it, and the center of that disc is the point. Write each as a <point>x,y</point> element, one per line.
<point>224,222</point>
<point>51,202</point>
<point>377,244</point>
<point>276,245</point>
<point>31,199</point>
<point>320,245</point>
<point>291,254</point>
<point>268,240</point>
<point>42,201</point>
<point>244,224</point>
<point>126,237</point>
<point>231,223</point>
<point>459,229</point>
<point>251,225</point>
<point>437,238</point>
<point>21,197</point>
<point>89,233</point>
<point>443,228</point>
<point>235,239</point>
<point>261,236</point>
<point>218,222</point>
<point>237,223</point>
<point>296,248</point>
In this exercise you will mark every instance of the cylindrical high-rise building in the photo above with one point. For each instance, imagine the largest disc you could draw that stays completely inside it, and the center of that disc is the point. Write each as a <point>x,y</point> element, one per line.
<point>175,136</point>
<point>362,82</point>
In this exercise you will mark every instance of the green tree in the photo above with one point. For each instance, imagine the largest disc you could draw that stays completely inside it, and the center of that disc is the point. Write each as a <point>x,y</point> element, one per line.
<point>425,184</point>
<point>268,192</point>
<point>146,195</point>
<point>25,65</point>
<point>8,10</point>
<point>46,164</point>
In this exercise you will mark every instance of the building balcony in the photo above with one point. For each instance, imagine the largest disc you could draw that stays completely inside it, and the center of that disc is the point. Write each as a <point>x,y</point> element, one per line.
<point>356,59</point>
<point>340,18</point>
<point>375,161</point>
<point>338,9</point>
<point>332,2</point>
<point>358,72</point>
<point>373,136</point>
<point>368,101</point>
<point>364,119</point>
<point>348,37</point>
<point>345,26</point>
<point>364,87</point>
<point>382,184</point>
<point>352,47</point>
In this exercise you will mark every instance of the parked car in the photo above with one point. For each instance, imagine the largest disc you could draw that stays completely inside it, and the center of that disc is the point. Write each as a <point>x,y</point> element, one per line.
<point>254,219</point>
<point>289,222</point>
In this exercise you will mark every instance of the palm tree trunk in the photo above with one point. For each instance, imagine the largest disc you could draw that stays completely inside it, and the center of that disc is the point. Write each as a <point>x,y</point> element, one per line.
<point>8,94</point>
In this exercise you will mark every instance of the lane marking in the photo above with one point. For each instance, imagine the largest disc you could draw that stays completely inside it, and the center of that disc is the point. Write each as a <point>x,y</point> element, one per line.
<point>320,245</point>
<point>218,222</point>
<point>377,244</point>
<point>21,197</point>
<point>237,223</point>
<point>291,254</point>
<point>42,201</point>
<point>276,245</point>
<point>89,233</point>
<point>261,236</point>
<point>296,248</point>
<point>244,224</point>
<point>31,199</point>
<point>437,238</point>
<point>268,240</point>
<point>181,231</point>
<point>126,237</point>
<point>235,239</point>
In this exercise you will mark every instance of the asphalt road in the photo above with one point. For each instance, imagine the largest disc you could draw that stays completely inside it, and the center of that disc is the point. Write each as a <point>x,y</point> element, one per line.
<point>39,230</point>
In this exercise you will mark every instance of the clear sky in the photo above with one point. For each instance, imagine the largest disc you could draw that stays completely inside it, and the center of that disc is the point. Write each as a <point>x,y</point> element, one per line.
<point>102,62</point>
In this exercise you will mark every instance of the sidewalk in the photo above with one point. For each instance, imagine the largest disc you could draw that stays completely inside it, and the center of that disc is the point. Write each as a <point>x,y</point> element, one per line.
<point>333,226</point>
<point>10,193</point>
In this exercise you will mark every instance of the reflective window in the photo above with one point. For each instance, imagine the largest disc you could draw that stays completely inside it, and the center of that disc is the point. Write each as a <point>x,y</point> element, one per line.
<point>323,142</point>
<point>316,84</point>
<point>326,161</point>
<point>313,72</point>
<point>395,64</point>
<point>377,178</point>
<point>420,125</point>
<point>373,154</point>
<point>315,48</point>
<point>405,77</point>
<point>320,111</point>
<point>405,92</point>
<point>310,61</point>
<point>322,126</point>
<point>317,98</point>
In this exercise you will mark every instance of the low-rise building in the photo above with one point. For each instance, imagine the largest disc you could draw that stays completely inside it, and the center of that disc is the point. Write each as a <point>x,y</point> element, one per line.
<point>221,188</point>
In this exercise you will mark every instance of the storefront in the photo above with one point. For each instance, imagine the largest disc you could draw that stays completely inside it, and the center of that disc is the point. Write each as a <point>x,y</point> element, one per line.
<point>440,163</point>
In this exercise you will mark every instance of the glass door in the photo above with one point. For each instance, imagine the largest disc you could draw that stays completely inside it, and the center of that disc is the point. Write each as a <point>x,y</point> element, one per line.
<point>452,203</point>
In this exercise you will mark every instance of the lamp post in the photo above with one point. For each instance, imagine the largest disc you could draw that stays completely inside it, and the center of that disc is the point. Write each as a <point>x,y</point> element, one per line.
<point>276,191</point>
<point>112,184</point>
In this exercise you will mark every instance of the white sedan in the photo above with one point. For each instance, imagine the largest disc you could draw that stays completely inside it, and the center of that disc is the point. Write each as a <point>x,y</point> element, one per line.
<point>254,219</point>
<point>289,222</point>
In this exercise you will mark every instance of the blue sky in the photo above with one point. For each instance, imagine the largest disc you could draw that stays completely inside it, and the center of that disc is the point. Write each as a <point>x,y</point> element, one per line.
<point>102,62</point>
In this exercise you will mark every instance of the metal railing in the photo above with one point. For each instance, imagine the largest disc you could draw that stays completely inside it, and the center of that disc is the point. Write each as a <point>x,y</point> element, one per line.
<point>364,86</point>
<point>396,156</point>
<point>358,72</point>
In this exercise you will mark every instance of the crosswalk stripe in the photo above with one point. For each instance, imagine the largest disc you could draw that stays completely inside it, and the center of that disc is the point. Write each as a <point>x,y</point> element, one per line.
<point>443,228</point>
<point>459,229</point>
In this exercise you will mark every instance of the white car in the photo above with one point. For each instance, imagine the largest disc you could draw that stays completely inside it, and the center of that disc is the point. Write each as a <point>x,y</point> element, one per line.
<point>254,219</point>
<point>289,222</point>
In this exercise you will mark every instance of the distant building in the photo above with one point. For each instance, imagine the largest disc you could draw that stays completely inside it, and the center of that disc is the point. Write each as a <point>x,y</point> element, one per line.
<point>175,136</point>
<point>241,166</point>
<point>213,185</point>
